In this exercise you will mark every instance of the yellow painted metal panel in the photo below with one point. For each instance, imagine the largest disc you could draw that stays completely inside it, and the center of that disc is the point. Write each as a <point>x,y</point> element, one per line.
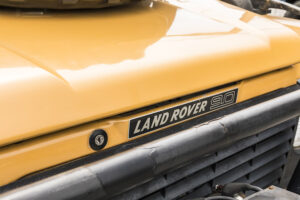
<point>70,68</point>
<point>297,69</point>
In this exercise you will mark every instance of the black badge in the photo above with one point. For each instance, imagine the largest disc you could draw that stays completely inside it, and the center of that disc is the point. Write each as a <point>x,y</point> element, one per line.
<point>98,139</point>
<point>156,120</point>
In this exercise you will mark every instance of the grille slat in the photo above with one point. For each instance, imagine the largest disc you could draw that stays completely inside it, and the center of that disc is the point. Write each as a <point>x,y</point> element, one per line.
<point>270,155</point>
<point>269,179</point>
<point>232,175</point>
<point>203,190</point>
<point>274,141</point>
<point>264,170</point>
<point>189,183</point>
<point>238,174</point>
<point>257,159</point>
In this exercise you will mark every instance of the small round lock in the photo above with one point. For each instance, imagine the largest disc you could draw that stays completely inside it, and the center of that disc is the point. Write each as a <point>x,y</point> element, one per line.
<point>98,139</point>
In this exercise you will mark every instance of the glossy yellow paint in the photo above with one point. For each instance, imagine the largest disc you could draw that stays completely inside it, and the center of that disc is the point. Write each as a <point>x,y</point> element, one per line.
<point>66,145</point>
<point>297,69</point>
<point>61,69</point>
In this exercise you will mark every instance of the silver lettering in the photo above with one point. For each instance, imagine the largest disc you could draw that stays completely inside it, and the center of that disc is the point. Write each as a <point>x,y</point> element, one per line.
<point>229,97</point>
<point>156,120</point>
<point>175,114</point>
<point>165,118</point>
<point>137,130</point>
<point>183,112</point>
<point>147,124</point>
<point>190,109</point>
<point>216,101</point>
<point>203,105</point>
<point>196,108</point>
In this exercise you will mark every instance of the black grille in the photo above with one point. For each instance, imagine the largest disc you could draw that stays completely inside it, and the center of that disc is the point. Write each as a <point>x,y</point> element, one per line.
<point>258,160</point>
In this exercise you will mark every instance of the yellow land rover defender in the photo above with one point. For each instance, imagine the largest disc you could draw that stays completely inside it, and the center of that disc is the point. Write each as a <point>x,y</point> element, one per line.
<point>149,99</point>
